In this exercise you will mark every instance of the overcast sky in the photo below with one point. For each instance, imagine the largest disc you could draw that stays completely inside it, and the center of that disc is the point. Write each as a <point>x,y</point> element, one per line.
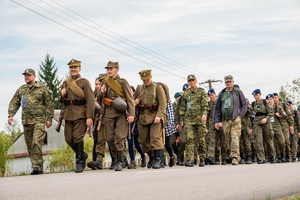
<point>258,42</point>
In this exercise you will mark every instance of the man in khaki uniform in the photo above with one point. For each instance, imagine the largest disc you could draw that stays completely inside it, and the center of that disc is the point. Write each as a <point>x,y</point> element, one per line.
<point>151,103</point>
<point>78,99</point>
<point>37,111</point>
<point>119,111</point>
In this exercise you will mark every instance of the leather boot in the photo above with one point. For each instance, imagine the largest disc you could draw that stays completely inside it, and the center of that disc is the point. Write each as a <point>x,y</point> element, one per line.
<point>120,159</point>
<point>180,161</point>
<point>248,160</point>
<point>157,159</point>
<point>171,163</point>
<point>217,160</point>
<point>132,165</point>
<point>143,161</point>
<point>223,161</point>
<point>283,158</point>
<point>151,159</point>
<point>80,157</point>
<point>189,163</point>
<point>201,163</point>
<point>273,160</point>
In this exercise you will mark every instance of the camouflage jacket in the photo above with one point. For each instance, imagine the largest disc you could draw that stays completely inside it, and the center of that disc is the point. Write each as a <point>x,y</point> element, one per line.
<point>36,102</point>
<point>193,106</point>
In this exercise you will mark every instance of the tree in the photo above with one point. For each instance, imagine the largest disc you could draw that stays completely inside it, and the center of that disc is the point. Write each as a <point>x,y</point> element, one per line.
<point>48,76</point>
<point>291,92</point>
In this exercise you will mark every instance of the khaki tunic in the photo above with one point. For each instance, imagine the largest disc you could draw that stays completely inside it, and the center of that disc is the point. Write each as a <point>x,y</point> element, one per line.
<point>75,115</point>
<point>115,123</point>
<point>150,134</point>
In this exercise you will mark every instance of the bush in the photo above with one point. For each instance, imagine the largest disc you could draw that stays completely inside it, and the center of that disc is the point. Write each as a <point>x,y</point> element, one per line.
<point>6,142</point>
<point>64,159</point>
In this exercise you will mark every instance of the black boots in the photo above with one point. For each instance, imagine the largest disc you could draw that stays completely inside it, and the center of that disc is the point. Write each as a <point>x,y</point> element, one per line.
<point>201,163</point>
<point>151,159</point>
<point>81,157</point>
<point>120,159</point>
<point>157,163</point>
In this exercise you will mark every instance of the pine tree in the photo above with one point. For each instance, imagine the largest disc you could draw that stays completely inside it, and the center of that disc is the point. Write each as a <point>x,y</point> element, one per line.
<point>48,76</point>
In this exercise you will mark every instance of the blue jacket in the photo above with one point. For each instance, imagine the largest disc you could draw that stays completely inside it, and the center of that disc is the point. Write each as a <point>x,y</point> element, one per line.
<point>239,107</point>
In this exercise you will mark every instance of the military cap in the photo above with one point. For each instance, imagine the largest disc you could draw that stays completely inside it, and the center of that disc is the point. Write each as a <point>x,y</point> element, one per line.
<point>102,76</point>
<point>269,96</point>
<point>112,64</point>
<point>228,78</point>
<point>289,102</point>
<point>298,108</point>
<point>176,95</point>
<point>236,86</point>
<point>191,77</point>
<point>74,63</point>
<point>29,71</point>
<point>275,94</point>
<point>145,74</point>
<point>185,86</point>
<point>256,91</point>
<point>210,91</point>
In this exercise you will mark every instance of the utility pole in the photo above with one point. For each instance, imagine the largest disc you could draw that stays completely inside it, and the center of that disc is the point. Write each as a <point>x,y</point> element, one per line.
<point>210,81</point>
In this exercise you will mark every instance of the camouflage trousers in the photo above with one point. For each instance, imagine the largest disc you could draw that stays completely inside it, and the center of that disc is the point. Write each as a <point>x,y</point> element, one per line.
<point>34,138</point>
<point>191,131</point>
<point>232,131</point>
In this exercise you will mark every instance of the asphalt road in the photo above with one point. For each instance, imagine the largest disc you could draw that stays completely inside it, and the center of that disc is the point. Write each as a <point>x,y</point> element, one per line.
<point>254,181</point>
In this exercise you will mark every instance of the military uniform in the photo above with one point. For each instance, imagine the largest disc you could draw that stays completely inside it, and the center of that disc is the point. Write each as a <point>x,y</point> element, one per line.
<point>37,108</point>
<point>262,132</point>
<point>216,138</point>
<point>152,104</point>
<point>276,129</point>
<point>178,140</point>
<point>286,122</point>
<point>245,143</point>
<point>294,136</point>
<point>115,123</point>
<point>77,109</point>
<point>193,107</point>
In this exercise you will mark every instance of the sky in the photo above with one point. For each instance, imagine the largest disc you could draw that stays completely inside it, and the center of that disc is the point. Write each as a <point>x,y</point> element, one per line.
<point>257,42</point>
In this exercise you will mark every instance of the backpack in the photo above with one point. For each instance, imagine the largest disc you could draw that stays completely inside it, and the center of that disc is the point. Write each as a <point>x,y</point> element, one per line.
<point>264,102</point>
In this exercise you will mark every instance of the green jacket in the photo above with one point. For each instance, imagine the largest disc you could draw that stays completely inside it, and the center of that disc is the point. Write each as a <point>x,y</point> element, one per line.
<point>193,106</point>
<point>37,104</point>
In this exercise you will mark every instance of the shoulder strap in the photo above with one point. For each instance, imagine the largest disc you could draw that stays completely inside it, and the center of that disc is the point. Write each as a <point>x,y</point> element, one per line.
<point>154,93</point>
<point>72,84</point>
<point>265,102</point>
<point>115,86</point>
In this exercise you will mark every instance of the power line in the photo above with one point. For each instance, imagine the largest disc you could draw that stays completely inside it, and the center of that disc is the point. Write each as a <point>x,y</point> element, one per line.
<point>126,54</point>
<point>166,59</point>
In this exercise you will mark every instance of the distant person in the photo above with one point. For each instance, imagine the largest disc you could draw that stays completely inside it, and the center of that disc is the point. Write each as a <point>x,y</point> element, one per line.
<point>79,108</point>
<point>36,101</point>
